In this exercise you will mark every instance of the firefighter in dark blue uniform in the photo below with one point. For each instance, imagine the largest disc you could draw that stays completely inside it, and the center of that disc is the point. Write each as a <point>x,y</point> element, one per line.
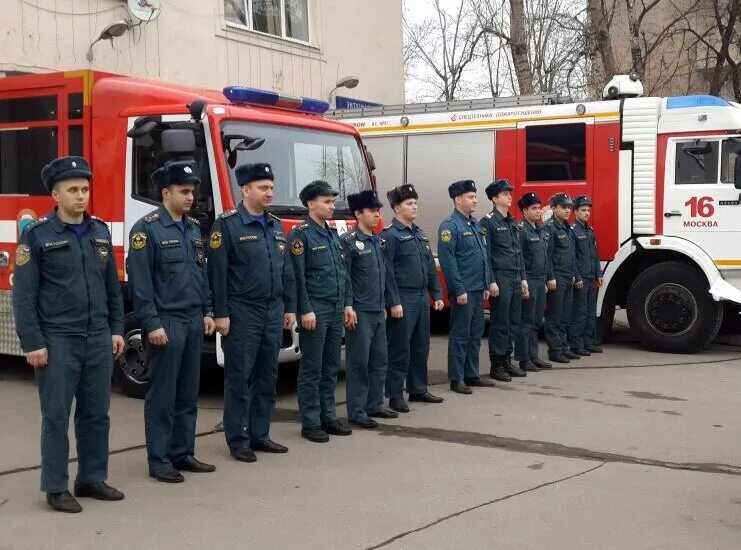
<point>583,325</point>
<point>254,301</point>
<point>323,304</point>
<point>539,272</point>
<point>464,258</point>
<point>365,336</point>
<point>408,327</point>
<point>168,282</point>
<point>69,318</point>
<point>561,242</point>
<point>509,285</point>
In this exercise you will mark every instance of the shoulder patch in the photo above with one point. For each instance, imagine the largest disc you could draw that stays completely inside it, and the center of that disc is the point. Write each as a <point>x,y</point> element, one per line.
<point>228,213</point>
<point>191,219</point>
<point>22,255</point>
<point>138,240</point>
<point>153,217</point>
<point>297,247</point>
<point>446,235</point>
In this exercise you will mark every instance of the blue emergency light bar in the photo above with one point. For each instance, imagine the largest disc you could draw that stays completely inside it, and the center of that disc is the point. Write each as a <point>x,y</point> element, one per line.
<point>255,96</point>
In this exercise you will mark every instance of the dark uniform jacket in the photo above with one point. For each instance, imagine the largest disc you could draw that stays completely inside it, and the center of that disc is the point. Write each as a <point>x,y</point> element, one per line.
<point>561,245</point>
<point>463,255</point>
<point>167,270</point>
<point>368,267</point>
<point>505,247</point>
<point>535,252</point>
<point>587,257</point>
<point>64,284</point>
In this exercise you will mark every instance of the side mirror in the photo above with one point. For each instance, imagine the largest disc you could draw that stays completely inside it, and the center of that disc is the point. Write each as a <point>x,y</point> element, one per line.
<point>737,172</point>
<point>371,160</point>
<point>179,142</point>
<point>697,148</point>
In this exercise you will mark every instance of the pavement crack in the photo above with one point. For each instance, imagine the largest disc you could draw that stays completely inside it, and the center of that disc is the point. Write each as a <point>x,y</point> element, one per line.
<point>547,448</point>
<point>481,505</point>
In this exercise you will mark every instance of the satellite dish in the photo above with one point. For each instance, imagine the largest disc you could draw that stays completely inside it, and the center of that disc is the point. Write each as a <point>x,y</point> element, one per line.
<point>144,10</point>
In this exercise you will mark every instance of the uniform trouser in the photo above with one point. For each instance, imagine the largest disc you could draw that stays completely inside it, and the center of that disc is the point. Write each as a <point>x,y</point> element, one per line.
<point>171,403</point>
<point>557,314</point>
<point>583,324</point>
<point>367,359</point>
<point>409,346</point>
<point>251,370</point>
<point>78,367</point>
<point>505,311</point>
<point>320,364</point>
<point>526,341</point>
<point>464,339</point>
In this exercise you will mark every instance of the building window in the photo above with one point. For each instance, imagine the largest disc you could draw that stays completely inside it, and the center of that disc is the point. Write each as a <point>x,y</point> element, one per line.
<point>23,153</point>
<point>282,18</point>
<point>696,162</point>
<point>556,152</point>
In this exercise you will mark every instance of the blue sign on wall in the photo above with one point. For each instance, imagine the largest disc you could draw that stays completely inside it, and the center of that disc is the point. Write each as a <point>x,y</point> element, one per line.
<point>342,102</point>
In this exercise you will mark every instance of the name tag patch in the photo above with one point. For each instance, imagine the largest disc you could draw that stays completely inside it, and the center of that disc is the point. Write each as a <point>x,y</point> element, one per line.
<point>169,243</point>
<point>55,244</point>
<point>245,238</point>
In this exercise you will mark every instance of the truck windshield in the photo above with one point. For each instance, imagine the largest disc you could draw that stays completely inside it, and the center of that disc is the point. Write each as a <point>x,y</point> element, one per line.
<point>298,157</point>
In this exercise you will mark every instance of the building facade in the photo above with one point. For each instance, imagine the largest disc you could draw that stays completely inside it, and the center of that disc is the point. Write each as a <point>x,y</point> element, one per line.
<point>296,47</point>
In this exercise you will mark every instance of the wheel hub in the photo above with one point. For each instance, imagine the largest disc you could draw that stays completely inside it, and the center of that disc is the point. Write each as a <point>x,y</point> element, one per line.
<point>134,358</point>
<point>671,309</point>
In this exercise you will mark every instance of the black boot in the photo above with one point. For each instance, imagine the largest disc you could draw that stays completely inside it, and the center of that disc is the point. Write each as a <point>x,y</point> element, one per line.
<point>541,364</point>
<point>497,371</point>
<point>529,366</point>
<point>513,370</point>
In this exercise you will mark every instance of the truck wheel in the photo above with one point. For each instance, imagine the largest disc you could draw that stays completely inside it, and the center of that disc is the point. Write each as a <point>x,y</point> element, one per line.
<point>671,310</point>
<point>131,371</point>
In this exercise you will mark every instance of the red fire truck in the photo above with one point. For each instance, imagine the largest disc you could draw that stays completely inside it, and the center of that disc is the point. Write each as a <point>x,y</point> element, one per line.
<point>662,172</point>
<point>127,127</point>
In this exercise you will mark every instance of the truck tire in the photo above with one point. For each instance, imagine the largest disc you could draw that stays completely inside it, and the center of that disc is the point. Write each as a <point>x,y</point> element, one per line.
<point>671,310</point>
<point>131,371</point>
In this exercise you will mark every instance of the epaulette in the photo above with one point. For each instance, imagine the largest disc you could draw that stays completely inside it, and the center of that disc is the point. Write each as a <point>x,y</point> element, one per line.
<point>521,224</point>
<point>273,216</point>
<point>389,226</point>
<point>490,214</point>
<point>348,235</point>
<point>102,222</point>
<point>191,219</point>
<point>35,223</point>
<point>228,213</point>
<point>153,217</point>
<point>301,227</point>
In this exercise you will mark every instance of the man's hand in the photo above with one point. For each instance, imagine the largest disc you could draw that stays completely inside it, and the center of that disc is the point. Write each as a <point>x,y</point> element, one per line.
<point>308,321</point>
<point>494,290</point>
<point>289,319</point>
<point>462,300</point>
<point>599,282</point>
<point>397,312</point>
<point>438,305</point>
<point>525,290</point>
<point>158,337</point>
<point>38,359</point>
<point>579,284</point>
<point>551,285</point>
<point>222,325</point>
<point>118,345</point>
<point>350,318</point>
<point>209,326</point>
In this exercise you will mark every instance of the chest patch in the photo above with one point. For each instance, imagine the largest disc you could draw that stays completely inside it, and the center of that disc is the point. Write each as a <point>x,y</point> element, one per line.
<point>55,244</point>
<point>360,245</point>
<point>245,238</point>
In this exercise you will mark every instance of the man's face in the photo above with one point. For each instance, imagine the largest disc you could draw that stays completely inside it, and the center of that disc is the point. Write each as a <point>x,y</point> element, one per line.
<point>467,202</point>
<point>406,210</point>
<point>561,212</point>
<point>322,207</point>
<point>503,199</point>
<point>179,198</point>
<point>258,195</point>
<point>533,213</point>
<point>368,217</point>
<point>72,195</point>
<point>583,213</point>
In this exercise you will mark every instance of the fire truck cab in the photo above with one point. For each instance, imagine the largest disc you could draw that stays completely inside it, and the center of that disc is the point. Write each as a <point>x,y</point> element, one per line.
<point>127,127</point>
<point>663,174</point>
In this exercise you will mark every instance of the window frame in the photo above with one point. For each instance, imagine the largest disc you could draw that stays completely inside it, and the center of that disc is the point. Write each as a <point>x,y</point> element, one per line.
<point>250,26</point>
<point>554,124</point>
<point>674,143</point>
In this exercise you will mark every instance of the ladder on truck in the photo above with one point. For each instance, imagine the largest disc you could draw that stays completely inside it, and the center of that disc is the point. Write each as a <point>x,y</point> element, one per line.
<point>457,105</point>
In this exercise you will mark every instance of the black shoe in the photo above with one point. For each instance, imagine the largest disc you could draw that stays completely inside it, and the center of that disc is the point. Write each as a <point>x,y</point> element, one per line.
<point>425,397</point>
<point>512,370</point>
<point>460,387</point>
<point>593,349</point>
<point>268,446</point>
<point>336,428</point>
<point>581,351</point>
<point>168,475</point>
<point>571,355</point>
<point>365,422</point>
<point>192,464</point>
<point>398,404</point>
<point>558,358</point>
<point>529,366</point>
<point>541,364</point>
<point>63,502</point>
<point>384,413</point>
<point>245,455</point>
<point>99,491</point>
<point>317,435</point>
<point>499,374</point>
<point>479,383</point>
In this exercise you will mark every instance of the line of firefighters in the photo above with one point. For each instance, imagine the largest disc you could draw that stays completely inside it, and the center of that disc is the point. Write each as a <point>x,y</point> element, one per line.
<point>373,288</point>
